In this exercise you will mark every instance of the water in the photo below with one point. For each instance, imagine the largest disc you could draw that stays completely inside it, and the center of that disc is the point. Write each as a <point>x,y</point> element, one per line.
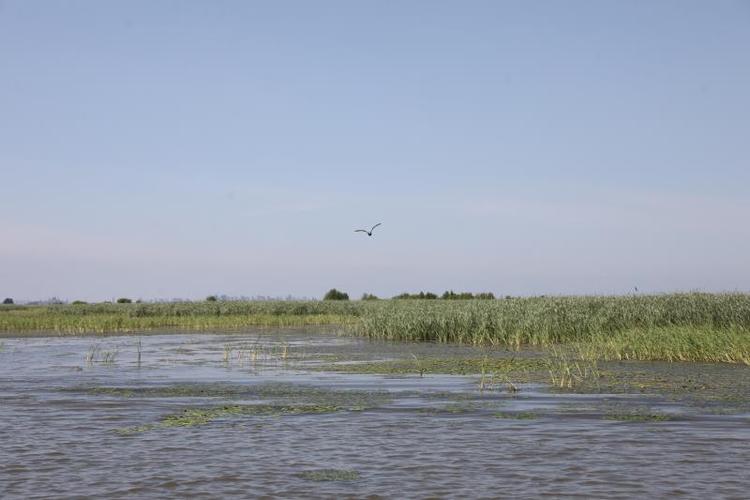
<point>72,426</point>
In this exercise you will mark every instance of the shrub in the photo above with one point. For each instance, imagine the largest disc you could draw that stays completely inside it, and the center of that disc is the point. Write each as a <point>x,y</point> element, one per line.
<point>79,302</point>
<point>8,301</point>
<point>369,296</point>
<point>211,298</point>
<point>420,295</point>
<point>334,294</point>
<point>485,295</point>
<point>124,300</point>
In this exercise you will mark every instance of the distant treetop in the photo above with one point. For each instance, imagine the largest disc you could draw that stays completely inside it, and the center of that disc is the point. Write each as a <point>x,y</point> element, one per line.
<point>334,294</point>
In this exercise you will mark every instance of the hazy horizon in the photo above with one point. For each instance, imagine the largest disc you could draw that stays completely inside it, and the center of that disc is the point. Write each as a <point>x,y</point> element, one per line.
<point>163,150</point>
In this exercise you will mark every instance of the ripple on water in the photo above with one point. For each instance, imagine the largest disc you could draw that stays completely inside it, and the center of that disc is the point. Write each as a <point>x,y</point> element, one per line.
<point>405,436</point>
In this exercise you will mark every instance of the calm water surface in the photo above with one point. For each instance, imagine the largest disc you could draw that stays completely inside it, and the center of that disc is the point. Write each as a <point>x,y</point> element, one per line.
<point>82,417</point>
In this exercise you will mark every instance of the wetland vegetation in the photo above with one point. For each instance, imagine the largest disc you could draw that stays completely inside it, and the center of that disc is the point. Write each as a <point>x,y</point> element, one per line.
<point>673,327</point>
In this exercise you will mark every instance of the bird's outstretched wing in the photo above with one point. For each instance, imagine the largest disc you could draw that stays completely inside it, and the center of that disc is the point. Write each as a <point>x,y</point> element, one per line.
<point>360,230</point>
<point>376,225</point>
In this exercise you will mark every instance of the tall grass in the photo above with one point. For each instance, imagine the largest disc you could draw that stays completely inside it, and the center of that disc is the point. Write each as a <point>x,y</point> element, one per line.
<point>674,327</point>
<point>101,318</point>
<point>544,321</point>
<point>677,343</point>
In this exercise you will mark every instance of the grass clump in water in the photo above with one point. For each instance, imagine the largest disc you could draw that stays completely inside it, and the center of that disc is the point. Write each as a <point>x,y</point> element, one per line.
<point>447,366</point>
<point>523,415</point>
<point>330,475</point>
<point>637,416</point>
<point>199,416</point>
<point>190,417</point>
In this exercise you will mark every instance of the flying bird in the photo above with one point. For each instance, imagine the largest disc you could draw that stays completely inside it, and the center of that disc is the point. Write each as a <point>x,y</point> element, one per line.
<point>369,233</point>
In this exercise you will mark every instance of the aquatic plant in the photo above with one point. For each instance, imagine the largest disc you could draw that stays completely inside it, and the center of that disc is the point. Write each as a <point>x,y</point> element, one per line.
<point>637,415</point>
<point>92,354</point>
<point>676,343</point>
<point>329,475</point>
<point>568,370</point>
<point>95,354</point>
<point>673,327</point>
<point>108,357</point>
<point>521,415</point>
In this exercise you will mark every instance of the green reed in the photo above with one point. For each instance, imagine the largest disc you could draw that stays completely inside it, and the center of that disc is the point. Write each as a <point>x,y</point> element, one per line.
<point>673,327</point>
<point>546,321</point>
<point>102,318</point>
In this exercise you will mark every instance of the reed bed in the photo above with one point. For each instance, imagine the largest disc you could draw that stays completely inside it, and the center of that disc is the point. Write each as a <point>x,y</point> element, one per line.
<point>547,321</point>
<point>677,343</point>
<point>672,327</point>
<point>105,318</point>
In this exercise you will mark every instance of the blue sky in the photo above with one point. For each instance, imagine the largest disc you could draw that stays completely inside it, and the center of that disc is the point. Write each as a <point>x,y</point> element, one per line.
<point>162,149</point>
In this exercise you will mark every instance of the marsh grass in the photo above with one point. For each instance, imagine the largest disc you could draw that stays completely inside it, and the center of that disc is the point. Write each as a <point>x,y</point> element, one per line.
<point>92,354</point>
<point>680,343</point>
<point>113,318</point>
<point>95,355</point>
<point>569,369</point>
<point>191,417</point>
<point>522,415</point>
<point>274,400</point>
<point>637,415</point>
<point>672,327</point>
<point>521,369</point>
<point>329,475</point>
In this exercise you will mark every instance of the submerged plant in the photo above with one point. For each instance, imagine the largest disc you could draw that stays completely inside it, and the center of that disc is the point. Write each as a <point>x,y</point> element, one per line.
<point>637,416</point>
<point>522,415</point>
<point>329,475</point>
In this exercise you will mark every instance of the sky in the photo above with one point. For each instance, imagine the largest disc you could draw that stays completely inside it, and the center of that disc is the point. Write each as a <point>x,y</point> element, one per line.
<point>173,149</point>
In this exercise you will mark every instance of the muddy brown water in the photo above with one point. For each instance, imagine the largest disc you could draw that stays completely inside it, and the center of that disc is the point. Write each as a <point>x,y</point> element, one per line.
<point>83,417</point>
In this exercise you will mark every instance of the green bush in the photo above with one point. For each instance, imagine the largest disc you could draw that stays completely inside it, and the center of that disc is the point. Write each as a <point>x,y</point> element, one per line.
<point>8,301</point>
<point>124,300</point>
<point>211,298</point>
<point>79,302</point>
<point>334,294</point>
<point>369,296</point>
